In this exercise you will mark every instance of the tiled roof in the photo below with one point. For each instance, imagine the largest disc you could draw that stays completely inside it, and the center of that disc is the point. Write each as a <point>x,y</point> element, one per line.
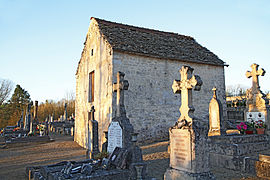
<point>153,43</point>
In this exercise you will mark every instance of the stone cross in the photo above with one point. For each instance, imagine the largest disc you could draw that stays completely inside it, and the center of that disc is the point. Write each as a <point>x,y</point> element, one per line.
<point>119,87</point>
<point>184,87</point>
<point>254,74</point>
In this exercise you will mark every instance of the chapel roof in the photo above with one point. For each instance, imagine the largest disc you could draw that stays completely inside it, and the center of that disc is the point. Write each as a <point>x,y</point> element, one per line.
<point>154,43</point>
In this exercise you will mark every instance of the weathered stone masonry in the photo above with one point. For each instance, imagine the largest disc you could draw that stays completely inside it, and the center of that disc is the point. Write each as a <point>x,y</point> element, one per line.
<point>150,103</point>
<point>151,60</point>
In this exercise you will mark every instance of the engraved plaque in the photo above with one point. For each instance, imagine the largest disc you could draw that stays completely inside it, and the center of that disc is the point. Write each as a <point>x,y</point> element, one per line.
<point>180,144</point>
<point>115,137</point>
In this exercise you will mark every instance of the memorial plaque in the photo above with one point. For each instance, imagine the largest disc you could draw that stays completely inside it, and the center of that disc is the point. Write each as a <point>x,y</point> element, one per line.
<point>180,144</point>
<point>255,116</point>
<point>115,137</point>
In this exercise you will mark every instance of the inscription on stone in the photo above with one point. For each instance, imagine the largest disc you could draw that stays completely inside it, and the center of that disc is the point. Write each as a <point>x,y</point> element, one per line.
<point>180,156</point>
<point>115,137</point>
<point>255,116</point>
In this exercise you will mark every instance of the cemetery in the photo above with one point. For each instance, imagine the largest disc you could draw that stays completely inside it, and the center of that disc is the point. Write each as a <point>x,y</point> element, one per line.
<point>106,138</point>
<point>196,148</point>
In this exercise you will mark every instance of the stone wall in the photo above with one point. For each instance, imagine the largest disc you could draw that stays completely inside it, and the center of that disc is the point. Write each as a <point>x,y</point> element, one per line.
<point>150,103</point>
<point>101,63</point>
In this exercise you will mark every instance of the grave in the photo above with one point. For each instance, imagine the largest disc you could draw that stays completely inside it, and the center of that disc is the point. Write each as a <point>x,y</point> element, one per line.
<point>120,129</point>
<point>189,154</point>
<point>94,134</point>
<point>257,104</point>
<point>27,118</point>
<point>235,151</point>
<point>216,125</point>
<point>122,164</point>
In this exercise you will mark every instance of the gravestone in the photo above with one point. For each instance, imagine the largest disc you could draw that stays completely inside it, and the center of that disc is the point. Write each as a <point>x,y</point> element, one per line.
<point>215,116</point>
<point>105,144</point>
<point>65,113</point>
<point>34,121</point>
<point>28,117</point>
<point>189,156</point>
<point>20,122</point>
<point>120,129</point>
<point>257,104</point>
<point>94,134</point>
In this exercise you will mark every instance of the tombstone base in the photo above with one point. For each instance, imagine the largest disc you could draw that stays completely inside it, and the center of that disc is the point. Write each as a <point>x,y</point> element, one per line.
<point>174,174</point>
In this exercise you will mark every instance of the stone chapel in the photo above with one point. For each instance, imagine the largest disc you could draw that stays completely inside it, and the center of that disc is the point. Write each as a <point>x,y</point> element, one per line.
<point>151,60</point>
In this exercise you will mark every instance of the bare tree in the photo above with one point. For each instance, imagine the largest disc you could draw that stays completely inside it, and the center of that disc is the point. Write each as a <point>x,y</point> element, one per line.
<point>6,87</point>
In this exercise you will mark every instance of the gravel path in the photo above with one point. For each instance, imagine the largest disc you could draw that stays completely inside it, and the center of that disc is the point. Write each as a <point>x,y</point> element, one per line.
<point>14,160</point>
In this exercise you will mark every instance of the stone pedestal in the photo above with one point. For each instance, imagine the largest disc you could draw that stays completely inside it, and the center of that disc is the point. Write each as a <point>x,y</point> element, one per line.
<point>189,155</point>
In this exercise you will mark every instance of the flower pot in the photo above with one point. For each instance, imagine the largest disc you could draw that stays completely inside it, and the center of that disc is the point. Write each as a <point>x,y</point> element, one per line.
<point>249,132</point>
<point>260,130</point>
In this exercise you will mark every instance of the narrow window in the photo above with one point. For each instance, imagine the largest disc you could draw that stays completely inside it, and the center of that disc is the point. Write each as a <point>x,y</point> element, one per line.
<point>91,86</point>
<point>92,52</point>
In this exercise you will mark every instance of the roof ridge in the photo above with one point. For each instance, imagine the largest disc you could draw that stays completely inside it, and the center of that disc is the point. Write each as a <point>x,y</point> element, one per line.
<point>142,29</point>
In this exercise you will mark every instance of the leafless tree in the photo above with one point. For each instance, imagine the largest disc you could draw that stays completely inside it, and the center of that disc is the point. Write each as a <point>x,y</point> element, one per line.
<point>6,87</point>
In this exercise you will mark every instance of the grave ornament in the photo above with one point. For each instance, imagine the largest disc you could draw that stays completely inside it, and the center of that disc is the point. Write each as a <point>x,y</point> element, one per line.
<point>257,104</point>
<point>189,155</point>
<point>120,129</point>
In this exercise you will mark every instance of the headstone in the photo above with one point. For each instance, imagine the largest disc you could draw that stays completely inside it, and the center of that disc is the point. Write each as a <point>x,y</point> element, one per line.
<point>94,133</point>
<point>120,129</point>
<point>20,122</point>
<point>215,116</point>
<point>257,104</point>
<point>105,144</point>
<point>65,113</point>
<point>35,119</point>
<point>36,111</point>
<point>189,156</point>
<point>27,117</point>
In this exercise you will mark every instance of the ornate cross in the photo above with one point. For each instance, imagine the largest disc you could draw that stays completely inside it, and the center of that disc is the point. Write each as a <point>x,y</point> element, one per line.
<point>119,87</point>
<point>184,87</point>
<point>254,74</point>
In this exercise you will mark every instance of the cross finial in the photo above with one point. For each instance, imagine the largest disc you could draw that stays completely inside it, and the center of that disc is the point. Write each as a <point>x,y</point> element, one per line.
<point>92,111</point>
<point>184,87</point>
<point>254,74</point>
<point>119,87</point>
<point>214,92</point>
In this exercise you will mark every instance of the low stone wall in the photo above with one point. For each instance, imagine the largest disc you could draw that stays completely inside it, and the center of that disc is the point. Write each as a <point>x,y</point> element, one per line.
<point>231,152</point>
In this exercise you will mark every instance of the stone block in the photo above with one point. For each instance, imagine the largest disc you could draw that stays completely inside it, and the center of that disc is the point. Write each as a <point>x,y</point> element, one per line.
<point>174,174</point>
<point>263,169</point>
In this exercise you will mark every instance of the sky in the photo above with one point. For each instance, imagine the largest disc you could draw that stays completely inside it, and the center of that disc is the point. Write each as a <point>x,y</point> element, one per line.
<point>41,41</point>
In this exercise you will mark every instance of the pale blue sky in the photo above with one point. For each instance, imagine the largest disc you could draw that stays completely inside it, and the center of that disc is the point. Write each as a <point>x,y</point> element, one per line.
<point>41,41</point>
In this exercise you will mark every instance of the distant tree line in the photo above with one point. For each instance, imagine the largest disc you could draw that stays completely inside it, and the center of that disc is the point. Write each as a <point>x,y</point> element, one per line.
<point>12,109</point>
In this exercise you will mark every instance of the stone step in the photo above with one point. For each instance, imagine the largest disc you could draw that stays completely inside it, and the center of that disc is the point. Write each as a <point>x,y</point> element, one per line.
<point>237,139</point>
<point>238,149</point>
